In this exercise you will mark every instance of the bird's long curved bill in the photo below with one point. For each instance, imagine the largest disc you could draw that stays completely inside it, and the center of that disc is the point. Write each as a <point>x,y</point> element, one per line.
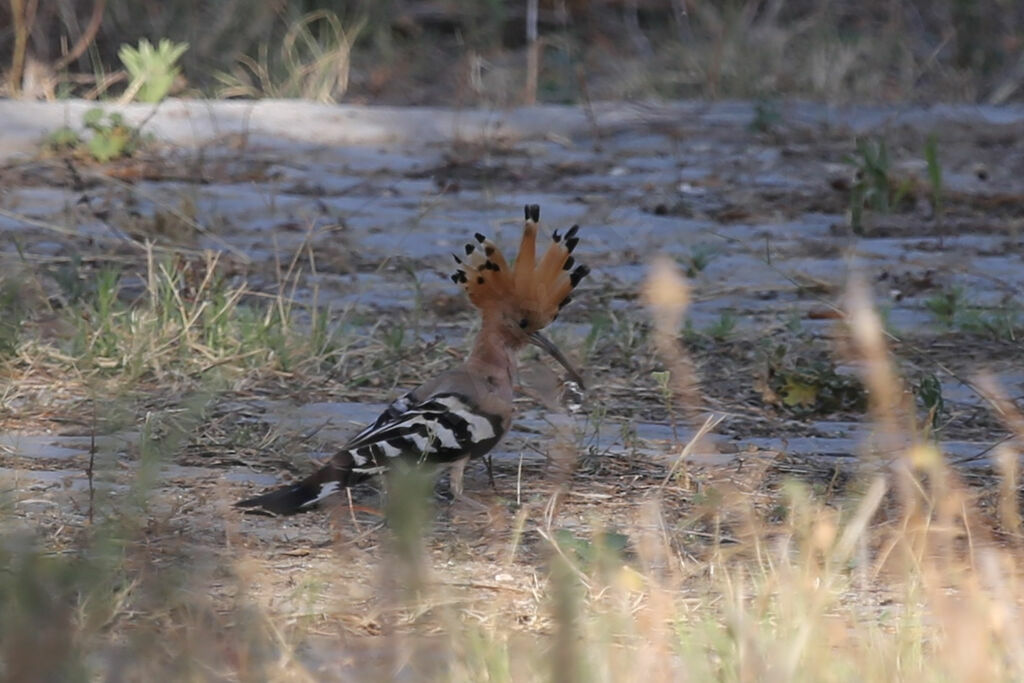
<point>539,340</point>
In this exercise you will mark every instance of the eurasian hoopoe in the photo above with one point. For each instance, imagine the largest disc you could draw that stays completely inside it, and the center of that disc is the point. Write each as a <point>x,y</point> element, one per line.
<point>464,412</point>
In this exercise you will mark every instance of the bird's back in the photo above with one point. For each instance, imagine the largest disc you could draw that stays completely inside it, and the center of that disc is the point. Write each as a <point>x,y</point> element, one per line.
<point>456,416</point>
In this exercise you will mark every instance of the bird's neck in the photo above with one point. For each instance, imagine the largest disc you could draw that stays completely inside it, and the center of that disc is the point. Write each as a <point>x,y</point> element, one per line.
<point>493,354</point>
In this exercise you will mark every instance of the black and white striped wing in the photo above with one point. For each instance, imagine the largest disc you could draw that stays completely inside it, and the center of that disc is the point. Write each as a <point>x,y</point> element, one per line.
<point>393,412</point>
<point>443,428</point>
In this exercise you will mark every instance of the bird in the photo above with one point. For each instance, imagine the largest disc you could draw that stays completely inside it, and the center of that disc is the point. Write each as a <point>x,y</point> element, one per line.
<point>463,413</point>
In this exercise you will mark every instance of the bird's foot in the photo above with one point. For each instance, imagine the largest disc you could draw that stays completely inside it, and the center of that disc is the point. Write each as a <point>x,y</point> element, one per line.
<point>473,503</point>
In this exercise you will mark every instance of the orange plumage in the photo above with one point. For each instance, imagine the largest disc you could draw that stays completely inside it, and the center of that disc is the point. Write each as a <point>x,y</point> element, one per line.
<point>531,288</point>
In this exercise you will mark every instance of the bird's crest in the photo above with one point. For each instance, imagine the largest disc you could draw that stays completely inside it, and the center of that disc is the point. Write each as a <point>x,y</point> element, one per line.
<point>540,287</point>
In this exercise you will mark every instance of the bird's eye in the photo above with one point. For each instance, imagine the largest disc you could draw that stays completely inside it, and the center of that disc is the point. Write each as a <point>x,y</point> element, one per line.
<point>524,323</point>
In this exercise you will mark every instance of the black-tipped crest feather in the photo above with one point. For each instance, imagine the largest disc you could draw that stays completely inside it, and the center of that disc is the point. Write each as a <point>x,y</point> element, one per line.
<point>581,272</point>
<point>538,284</point>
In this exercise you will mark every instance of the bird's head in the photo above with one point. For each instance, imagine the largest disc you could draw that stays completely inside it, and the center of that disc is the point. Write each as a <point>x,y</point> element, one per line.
<point>518,301</point>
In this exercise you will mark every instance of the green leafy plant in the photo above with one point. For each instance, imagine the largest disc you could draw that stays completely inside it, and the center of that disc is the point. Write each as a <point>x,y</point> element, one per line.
<point>63,139</point>
<point>112,137</point>
<point>809,383</point>
<point>152,70</point>
<point>106,138</point>
<point>874,186</point>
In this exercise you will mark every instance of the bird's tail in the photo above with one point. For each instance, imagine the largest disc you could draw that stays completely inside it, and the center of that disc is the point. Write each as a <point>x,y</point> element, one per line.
<point>307,494</point>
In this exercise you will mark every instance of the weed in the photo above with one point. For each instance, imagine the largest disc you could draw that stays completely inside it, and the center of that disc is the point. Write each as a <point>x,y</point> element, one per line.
<point>107,138</point>
<point>946,305</point>
<point>12,312</point>
<point>874,186</point>
<point>722,328</point>
<point>663,380</point>
<point>766,116</point>
<point>615,333</point>
<point>64,139</point>
<point>628,435</point>
<point>808,383</point>
<point>700,258</point>
<point>607,549</point>
<point>394,337</point>
<point>312,63</point>
<point>795,323</point>
<point>69,278</point>
<point>595,420</point>
<point>931,155</point>
<point>188,318</point>
<point>111,137</point>
<point>1004,323</point>
<point>152,70</point>
<point>952,309</point>
<point>871,180</point>
<point>600,323</point>
<point>929,395</point>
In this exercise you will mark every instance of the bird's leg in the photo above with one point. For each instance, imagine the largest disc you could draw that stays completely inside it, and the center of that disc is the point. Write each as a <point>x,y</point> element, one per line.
<point>455,480</point>
<point>455,476</point>
<point>490,473</point>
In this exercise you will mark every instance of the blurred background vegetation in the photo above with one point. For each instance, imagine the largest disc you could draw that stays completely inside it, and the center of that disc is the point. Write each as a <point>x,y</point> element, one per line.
<point>476,52</point>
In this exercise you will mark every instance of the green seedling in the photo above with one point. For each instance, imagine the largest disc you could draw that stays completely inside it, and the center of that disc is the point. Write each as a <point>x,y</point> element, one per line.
<point>946,305</point>
<point>931,155</point>
<point>112,138</point>
<point>600,323</point>
<point>152,70</point>
<point>12,312</point>
<point>608,548</point>
<point>929,395</point>
<point>766,116</point>
<point>872,187</point>
<point>723,327</point>
<point>699,259</point>
<point>64,139</point>
<point>106,138</point>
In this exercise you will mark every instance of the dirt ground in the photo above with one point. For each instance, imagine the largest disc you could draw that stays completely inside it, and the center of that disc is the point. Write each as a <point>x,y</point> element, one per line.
<point>752,201</point>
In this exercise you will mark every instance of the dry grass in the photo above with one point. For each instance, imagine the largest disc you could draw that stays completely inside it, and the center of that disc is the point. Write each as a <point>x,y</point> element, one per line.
<point>416,52</point>
<point>642,567</point>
